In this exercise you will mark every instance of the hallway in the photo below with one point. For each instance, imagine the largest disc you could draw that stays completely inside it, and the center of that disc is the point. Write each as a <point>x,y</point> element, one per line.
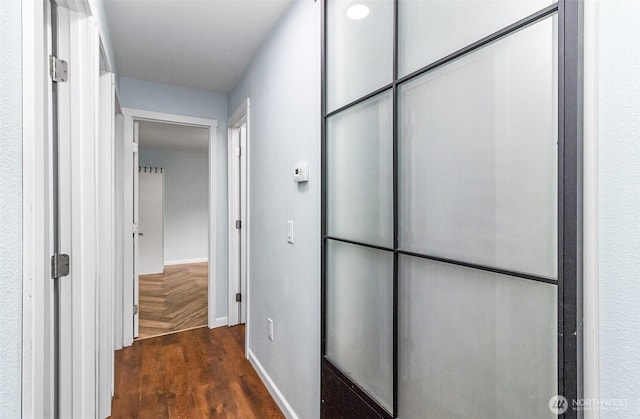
<point>439,213</point>
<point>200,373</point>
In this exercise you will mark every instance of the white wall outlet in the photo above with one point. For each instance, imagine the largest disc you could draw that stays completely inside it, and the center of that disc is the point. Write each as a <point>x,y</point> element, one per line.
<point>270,328</point>
<point>290,231</point>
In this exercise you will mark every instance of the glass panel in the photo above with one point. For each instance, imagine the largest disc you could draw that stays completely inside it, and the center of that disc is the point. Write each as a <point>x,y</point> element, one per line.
<point>432,29</point>
<point>474,344</point>
<point>360,173</point>
<point>360,317</point>
<point>478,156</point>
<point>359,49</point>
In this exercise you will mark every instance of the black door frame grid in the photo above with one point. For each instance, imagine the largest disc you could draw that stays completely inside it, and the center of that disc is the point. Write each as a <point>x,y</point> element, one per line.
<point>341,397</point>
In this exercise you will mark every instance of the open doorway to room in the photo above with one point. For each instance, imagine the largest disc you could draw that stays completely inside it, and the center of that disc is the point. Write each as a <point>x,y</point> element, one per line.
<point>172,227</point>
<point>171,208</point>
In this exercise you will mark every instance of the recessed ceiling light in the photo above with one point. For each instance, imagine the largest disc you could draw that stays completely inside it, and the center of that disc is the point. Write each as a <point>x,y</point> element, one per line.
<point>357,12</point>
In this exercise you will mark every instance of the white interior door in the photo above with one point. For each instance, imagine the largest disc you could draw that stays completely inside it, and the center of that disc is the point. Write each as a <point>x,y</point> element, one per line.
<point>119,224</point>
<point>136,218</point>
<point>151,224</point>
<point>105,242</point>
<point>237,311</point>
<point>243,217</point>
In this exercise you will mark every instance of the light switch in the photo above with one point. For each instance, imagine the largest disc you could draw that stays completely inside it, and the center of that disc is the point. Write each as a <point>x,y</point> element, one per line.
<point>290,231</point>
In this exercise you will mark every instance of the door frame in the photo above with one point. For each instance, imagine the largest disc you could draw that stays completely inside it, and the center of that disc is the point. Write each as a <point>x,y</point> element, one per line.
<point>84,40</point>
<point>242,115</point>
<point>237,252</point>
<point>131,115</point>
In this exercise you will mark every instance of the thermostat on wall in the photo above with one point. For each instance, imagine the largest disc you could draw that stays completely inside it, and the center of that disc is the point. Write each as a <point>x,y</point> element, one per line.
<point>301,172</point>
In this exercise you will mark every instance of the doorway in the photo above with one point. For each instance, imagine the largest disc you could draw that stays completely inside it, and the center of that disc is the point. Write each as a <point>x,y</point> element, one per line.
<point>172,261</point>
<point>172,234</point>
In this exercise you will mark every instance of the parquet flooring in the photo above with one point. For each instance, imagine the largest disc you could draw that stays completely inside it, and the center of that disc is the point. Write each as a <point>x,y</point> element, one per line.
<point>173,301</point>
<point>199,373</point>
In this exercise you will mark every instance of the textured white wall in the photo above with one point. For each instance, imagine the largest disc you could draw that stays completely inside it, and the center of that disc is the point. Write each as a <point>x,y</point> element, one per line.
<point>283,83</point>
<point>10,208</point>
<point>158,97</point>
<point>619,203</point>
<point>186,208</point>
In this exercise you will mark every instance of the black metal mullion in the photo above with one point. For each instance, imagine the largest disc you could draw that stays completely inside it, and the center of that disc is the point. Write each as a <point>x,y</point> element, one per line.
<point>359,100</point>
<point>570,204</point>
<point>560,194</point>
<point>323,177</point>
<point>357,243</point>
<point>507,272</point>
<point>395,174</point>
<point>501,271</point>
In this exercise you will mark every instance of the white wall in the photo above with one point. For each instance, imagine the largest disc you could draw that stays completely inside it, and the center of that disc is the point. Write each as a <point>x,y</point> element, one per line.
<point>283,83</point>
<point>186,206</point>
<point>158,97</point>
<point>619,203</point>
<point>10,208</point>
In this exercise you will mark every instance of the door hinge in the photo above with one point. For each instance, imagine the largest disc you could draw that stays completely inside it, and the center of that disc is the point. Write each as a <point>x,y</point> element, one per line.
<point>58,69</point>
<point>135,309</point>
<point>238,297</point>
<point>238,151</point>
<point>59,265</point>
<point>238,224</point>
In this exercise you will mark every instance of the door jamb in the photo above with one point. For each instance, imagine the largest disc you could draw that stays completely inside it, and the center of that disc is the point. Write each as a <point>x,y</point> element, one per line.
<point>241,115</point>
<point>131,114</point>
<point>37,384</point>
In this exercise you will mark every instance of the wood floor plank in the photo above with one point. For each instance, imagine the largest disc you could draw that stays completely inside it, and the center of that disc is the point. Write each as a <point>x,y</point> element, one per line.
<point>174,300</point>
<point>199,373</point>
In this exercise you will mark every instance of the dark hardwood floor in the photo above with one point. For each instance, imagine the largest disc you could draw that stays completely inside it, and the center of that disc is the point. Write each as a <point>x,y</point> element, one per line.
<point>173,301</point>
<point>199,373</point>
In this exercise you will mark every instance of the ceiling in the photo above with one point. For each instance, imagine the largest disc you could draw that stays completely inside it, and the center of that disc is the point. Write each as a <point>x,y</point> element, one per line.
<point>173,136</point>
<point>202,44</point>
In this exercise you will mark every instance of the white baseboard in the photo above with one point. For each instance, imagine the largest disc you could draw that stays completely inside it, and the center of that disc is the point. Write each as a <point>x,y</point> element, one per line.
<point>185,261</point>
<point>272,388</point>
<point>220,321</point>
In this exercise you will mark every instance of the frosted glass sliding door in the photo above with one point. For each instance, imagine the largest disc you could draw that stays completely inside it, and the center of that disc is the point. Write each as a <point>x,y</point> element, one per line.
<point>478,156</point>
<point>474,344</point>
<point>360,317</point>
<point>451,220</point>
<point>359,49</point>
<point>432,29</point>
<point>359,172</point>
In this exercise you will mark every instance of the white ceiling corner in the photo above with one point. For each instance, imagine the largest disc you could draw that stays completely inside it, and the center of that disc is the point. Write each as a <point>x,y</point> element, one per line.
<point>201,44</point>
